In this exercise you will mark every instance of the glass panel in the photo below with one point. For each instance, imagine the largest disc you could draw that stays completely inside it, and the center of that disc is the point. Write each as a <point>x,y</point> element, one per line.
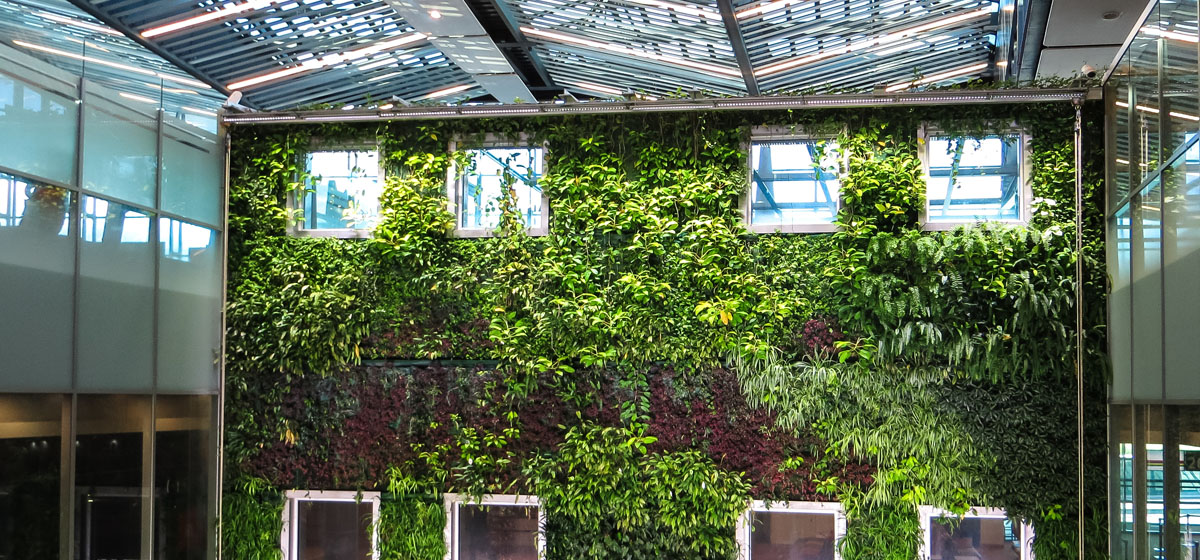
<point>39,124</point>
<point>193,170</point>
<point>1120,319</point>
<point>37,268</point>
<point>120,139</point>
<point>1181,482</point>
<point>1181,272</point>
<point>974,179</point>
<point>184,480</point>
<point>1143,51</point>
<point>344,190</point>
<point>793,182</point>
<point>974,537</point>
<point>491,171</point>
<point>1123,131</point>
<point>116,298</point>
<point>108,475</point>
<point>333,530</point>
<point>489,532</point>
<point>783,535</point>
<point>31,445</point>
<point>1147,294</point>
<point>189,307</point>
<point>1181,73</point>
<point>1121,482</point>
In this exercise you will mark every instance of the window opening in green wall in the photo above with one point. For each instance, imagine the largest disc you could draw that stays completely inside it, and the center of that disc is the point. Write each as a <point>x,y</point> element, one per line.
<point>479,190</point>
<point>343,190</point>
<point>794,184</point>
<point>975,179</point>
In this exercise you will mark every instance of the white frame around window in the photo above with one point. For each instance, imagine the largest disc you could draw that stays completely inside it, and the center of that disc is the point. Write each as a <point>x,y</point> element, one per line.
<point>927,131</point>
<point>454,183</point>
<point>288,537</point>
<point>929,512</point>
<point>835,509</point>
<point>451,503</point>
<point>296,202</point>
<point>775,134</point>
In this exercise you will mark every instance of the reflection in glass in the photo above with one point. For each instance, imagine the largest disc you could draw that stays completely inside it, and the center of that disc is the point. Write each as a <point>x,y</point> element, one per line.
<point>36,284</point>
<point>784,535</point>
<point>116,298</point>
<point>491,171</point>
<point>39,125</point>
<point>124,169</point>
<point>1145,101</point>
<point>793,182</point>
<point>1119,302</point>
<point>111,432</point>
<point>193,168</point>
<point>30,448</point>
<point>982,538</point>
<point>490,532</point>
<point>343,190</point>
<point>184,453</point>
<point>1122,130</point>
<point>1181,272</point>
<point>333,530</point>
<point>189,307</point>
<point>1146,291</point>
<point>974,179</point>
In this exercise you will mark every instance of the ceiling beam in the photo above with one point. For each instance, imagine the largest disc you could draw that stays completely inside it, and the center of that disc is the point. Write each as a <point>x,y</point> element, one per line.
<point>739,45</point>
<point>519,41</point>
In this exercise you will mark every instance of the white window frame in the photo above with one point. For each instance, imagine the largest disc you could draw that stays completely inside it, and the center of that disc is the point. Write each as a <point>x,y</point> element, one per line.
<point>295,200</point>
<point>928,513</point>
<point>744,523</point>
<point>454,183</point>
<point>927,131</point>
<point>288,537</point>
<point>777,133</point>
<point>452,503</point>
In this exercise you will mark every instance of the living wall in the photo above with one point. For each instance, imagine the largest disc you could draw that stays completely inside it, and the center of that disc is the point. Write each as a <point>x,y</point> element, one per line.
<point>648,366</point>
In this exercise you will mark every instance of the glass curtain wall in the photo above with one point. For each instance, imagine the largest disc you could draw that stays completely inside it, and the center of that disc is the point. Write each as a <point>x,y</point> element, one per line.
<point>1153,228</point>
<point>111,263</point>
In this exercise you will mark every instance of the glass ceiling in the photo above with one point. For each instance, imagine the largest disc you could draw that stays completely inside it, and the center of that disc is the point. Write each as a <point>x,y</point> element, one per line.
<point>300,53</point>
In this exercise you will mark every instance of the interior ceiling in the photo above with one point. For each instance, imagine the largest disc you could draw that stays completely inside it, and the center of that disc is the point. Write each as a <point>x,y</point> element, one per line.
<point>1079,32</point>
<point>303,53</point>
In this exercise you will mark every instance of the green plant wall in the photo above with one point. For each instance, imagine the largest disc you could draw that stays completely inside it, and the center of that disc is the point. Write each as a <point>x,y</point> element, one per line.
<point>648,366</point>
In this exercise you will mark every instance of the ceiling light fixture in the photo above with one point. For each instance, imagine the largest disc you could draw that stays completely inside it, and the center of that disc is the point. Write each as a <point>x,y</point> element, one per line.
<point>434,14</point>
<point>329,60</point>
<point>681,8</point>
<point>83,24</point>
<point>702,66</point>
<point>206,17</point>
<point>111,64</point>
<point>884,39</point>
<point>199,111</point>
<point>1185,37</point>
<point>593,87</point>
<point>447,91</point>
<point>938,77</point>
<point>765,8</point>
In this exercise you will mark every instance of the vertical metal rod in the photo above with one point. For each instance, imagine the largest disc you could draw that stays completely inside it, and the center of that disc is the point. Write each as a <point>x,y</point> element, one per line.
<point>220,416</point>
<point>1079,306</point>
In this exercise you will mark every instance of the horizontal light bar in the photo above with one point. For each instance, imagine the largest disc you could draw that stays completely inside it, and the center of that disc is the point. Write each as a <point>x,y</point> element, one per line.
<point>1185,37</point>
<point>593,87</point>
<point>199,111</point>
<point>940,76</point>
<point>201,19</point>
<point>111,64</point>
<point>82,24</point>
<point>1155,111</point>
<point>765,8</point>
<point>707,68</point>
<point>595,107</point>
<point>138,98</point>
<point>884,39</point>
<point>328,60</point>
<point>447,91</point>
<point>681,8</point>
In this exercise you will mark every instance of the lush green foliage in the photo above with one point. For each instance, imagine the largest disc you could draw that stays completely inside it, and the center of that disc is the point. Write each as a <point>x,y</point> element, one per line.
<point>251,520</point>
<point>919,355</point>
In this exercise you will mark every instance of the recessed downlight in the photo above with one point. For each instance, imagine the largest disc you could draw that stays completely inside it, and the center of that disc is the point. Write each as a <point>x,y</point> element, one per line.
<point>1110,15</point>
<point>434,14</point>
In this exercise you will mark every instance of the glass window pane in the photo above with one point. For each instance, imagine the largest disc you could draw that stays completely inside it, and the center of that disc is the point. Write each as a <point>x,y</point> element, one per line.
<point>1146,290</point>
<point>491,171</point>
<point>31,445</point>
<point>784,535</point>
<point>333,530</point>
<point>193,169</point>
<point>189,307</point>
<point>1121,510</point>
<point>184,479</point>
<point>1143,51</point>
<point>793,182</point>
<point>1119,305</point>
<point>120,139</point>
<point>108,475</point>
<point>343,191</point>
<point>1122,130</point>
<point>1181,272</point>
<point>489,532</point>
<point>974,537</point>
<point>38,115</point>
<point>1177,29</point>
<point>37,268</point>
<point>974,179</point>
<point>116,298</point>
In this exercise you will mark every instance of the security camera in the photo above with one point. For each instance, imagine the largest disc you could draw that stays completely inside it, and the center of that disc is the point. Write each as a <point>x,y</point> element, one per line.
<point>1088,71</point>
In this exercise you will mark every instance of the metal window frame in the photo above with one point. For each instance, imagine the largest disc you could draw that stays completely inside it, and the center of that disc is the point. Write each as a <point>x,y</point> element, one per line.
<point>452,503</point>
<point>455,181</point>
<point>776,133</point>
<point>1025,165</point>
<point>745,521</point>
<point>928,513</point>
<point>289,536</point>
<point>296,228</point>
